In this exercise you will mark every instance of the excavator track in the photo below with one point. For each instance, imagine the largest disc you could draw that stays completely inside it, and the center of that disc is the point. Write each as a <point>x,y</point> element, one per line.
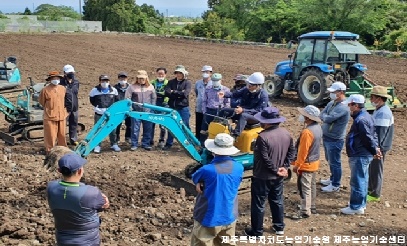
<point>30,132</point>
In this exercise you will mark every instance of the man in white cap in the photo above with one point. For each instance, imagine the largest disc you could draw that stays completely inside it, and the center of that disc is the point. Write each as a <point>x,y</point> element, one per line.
<point>361,146</point>
<point>252,99</point>
<point>273,153</point>
<point>307,162</point>
<point>335,117</point>
<point>178,90</point>
<point>384,126</point>
<point>71,102</point>
<point>200,87</point>
<point>217,184</point>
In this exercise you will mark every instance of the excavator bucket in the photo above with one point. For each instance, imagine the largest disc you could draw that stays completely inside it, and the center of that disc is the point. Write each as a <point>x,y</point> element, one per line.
<point>51,160</point>
<point>364,87</point>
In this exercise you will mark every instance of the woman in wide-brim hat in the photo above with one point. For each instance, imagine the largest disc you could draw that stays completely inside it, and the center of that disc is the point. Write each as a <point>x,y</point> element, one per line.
<point>53,74</point>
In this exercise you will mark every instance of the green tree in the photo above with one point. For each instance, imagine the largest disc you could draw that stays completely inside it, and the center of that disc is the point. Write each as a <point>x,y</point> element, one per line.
<point>27,11</point>
<point>56,13</point>
<point>123,15</point>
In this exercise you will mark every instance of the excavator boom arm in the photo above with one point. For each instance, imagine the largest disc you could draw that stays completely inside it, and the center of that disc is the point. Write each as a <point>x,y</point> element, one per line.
<point>116,113</point>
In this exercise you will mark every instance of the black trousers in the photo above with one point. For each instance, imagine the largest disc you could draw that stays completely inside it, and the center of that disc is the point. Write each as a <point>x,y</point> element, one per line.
<point>271,190</point>
<point>199,117</point>
<point>127,134</point>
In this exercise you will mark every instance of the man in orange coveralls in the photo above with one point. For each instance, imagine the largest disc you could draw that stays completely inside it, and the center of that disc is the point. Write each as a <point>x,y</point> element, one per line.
<point>52,99</point>
<point>307,162</point>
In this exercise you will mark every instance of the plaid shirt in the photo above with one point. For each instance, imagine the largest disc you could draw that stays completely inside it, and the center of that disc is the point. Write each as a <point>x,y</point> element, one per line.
<point>212,100</point>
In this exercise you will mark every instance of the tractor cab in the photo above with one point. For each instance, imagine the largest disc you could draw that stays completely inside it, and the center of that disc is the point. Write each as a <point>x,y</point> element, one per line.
<point>321,58</point>
<point>336,53</point>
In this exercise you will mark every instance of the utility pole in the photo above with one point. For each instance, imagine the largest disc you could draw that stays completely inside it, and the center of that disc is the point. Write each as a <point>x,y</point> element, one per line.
<point>80,9</point>
<point>33,8</point>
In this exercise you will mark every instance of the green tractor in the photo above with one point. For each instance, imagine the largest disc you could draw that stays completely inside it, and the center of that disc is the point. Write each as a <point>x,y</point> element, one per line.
<point>320,59</point>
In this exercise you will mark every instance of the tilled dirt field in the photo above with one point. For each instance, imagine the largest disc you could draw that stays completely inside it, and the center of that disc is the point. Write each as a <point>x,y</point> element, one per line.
<point>143,210</point>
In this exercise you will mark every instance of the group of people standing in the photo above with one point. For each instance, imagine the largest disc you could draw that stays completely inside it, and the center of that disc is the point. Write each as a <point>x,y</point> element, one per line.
<point>367,142</point>
<point>217,183</point>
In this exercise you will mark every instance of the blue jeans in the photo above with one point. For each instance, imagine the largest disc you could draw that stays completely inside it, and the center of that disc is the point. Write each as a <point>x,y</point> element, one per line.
<point>147,130</point>
<point>185,115</point>
<point>333,150</point>
<point>272,190</point>
<point>359,180</point>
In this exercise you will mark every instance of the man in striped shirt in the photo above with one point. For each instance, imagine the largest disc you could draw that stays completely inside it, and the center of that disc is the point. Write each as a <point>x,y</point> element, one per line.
<point>384,126</point>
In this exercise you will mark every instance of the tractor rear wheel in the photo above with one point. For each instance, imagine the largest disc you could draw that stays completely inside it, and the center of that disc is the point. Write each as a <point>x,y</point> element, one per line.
<point>273,85</point>
<point>312,87</point>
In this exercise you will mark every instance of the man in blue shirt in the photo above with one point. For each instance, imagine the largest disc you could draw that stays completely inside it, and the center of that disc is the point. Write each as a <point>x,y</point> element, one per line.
<point>384,126</point>
<point>217,184</point>
<point>253,99</point>
<point>75,205</point>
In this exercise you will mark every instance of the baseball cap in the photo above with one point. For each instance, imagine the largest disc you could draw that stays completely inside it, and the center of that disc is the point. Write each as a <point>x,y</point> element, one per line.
<point>355,98</point>
<point>206,68</point>
<point>122,74</point>
<point>69,69</point>
<point>337,86</point>
<point>71,162</point>
<point>104,77</point>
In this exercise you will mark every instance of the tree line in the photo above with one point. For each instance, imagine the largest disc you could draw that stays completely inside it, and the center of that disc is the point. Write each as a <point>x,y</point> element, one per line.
<point>380,23</point>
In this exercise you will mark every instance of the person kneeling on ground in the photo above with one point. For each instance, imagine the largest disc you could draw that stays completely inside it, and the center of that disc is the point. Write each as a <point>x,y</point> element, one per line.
<point>307,163</point>
<point>74,205</point>
<point>217,184</point>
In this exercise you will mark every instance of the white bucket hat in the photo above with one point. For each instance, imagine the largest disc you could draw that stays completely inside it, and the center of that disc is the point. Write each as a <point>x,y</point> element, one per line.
<point>221,145</point>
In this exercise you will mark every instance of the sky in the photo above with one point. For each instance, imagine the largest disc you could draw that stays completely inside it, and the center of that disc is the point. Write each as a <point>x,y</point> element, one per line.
<point>190,8</point>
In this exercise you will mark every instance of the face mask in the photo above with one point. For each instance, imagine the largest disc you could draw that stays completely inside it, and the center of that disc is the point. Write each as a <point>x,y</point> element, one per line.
<point>123,82</point>
<point>216,85</point>
<point>161,79</point>
<point>104,84</point>
<point>70,76</point>
<point>333,96</point>
<point>55,81</point>
<point>205,75</point>
<point>301,118</point>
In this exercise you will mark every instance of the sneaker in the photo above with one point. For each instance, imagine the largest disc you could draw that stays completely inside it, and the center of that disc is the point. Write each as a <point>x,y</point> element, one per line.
<point>314,211</point>
<point>128,140</point>
<point>148,148</point>
<point>299,216</point>
<point>116,148</point>
<point>96,149</point>
<point>167,147</point>
<point>133,148</point>
<point>370,198</point>
<point>325,182</point>
<point>249,232</point>
<point>330,188</point>
<point>278,232</point>
<point>161,144</point>
<point>350,211</point>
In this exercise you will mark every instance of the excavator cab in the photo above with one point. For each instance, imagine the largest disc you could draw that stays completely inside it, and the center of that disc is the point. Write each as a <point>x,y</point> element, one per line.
<point>244,142</point>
